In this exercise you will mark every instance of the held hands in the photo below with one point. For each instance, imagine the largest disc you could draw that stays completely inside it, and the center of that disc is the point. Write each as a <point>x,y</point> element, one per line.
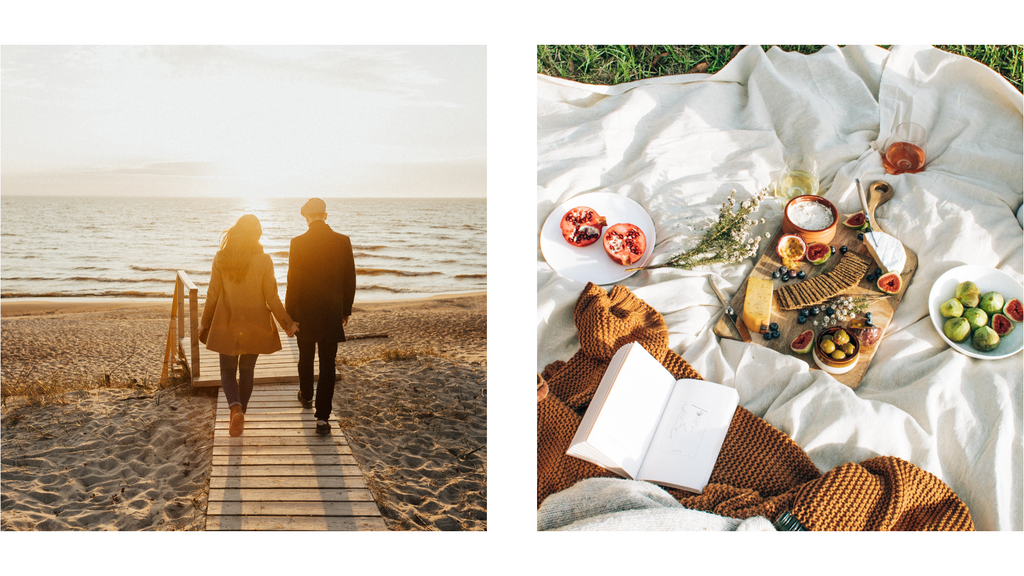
<point>291,330</point>
<point>344,321</point>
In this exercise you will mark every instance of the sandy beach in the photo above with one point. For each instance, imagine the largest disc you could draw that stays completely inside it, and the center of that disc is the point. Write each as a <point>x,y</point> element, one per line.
<point>135,455</point>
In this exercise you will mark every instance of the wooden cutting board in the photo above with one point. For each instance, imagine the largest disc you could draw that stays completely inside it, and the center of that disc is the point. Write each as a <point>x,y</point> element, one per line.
<point>881,310</point>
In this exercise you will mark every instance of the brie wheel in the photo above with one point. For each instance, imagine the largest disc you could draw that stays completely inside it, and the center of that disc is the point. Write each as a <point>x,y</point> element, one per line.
<point>889,250</point>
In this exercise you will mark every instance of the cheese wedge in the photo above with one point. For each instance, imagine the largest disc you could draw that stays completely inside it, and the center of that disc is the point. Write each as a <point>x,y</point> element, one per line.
<point>757,304</point>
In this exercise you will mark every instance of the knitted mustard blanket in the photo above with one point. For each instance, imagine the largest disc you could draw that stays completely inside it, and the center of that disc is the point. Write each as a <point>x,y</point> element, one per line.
<point>759,472</point>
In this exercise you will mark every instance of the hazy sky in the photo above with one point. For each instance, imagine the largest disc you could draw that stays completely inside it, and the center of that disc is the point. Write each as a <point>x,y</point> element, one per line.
<point>230,121</point>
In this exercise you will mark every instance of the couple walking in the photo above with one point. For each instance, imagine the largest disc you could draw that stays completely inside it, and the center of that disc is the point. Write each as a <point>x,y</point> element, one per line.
<point>242,302</point>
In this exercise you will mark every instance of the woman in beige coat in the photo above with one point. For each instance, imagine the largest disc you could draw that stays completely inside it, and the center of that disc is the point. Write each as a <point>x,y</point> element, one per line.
<point>238,317</point>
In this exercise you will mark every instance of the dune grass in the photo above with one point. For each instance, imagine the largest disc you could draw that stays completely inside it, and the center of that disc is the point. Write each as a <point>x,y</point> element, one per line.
<point>608,64</point>
<point>394,355</point>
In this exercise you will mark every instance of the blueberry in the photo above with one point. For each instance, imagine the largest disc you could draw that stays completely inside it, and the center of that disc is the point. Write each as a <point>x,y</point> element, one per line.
<point>775,274</point>
<point>832,249</point>
<point>868,323</point>
<point>867,316</point>
<point>775,334</point>
<point>830,311</point>
<point>801,319</point>
<point>815,311</point>
<point>805,313</point>
<point>801,274</point>
<point>767,335</point>
<point>785,277</point>
<point>843,249</point>
<point>774,326</point>
<point>783,269</point>
<point>871,277</point>
<point>878,272</point>
<point>860,236</point>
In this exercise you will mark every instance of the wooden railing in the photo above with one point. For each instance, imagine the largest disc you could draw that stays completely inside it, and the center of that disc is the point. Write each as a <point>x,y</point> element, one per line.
<point>175,350</point>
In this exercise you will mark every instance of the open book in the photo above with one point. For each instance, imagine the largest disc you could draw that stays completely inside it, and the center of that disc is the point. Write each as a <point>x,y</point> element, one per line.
<point>644,424</point>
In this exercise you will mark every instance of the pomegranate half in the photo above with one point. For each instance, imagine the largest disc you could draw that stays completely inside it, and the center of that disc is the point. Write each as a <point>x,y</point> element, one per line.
<point>625,243</point>
<point>582,226</point>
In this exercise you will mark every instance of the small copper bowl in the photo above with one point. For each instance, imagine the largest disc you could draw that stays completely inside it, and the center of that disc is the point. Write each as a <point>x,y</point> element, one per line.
<point>830,364</point>
<point>824,236</point>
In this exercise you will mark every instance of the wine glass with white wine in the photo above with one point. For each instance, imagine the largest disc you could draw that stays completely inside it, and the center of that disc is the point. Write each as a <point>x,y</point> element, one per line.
<point>799,178</point>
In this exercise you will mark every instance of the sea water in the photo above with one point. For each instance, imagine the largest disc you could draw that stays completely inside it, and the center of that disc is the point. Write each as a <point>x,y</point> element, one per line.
<point>131,247</point>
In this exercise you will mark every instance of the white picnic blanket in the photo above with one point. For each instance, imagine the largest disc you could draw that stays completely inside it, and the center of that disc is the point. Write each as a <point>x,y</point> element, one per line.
<point>678,144</point>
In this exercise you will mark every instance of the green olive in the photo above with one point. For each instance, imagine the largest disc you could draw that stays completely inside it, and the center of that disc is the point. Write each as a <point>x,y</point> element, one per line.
<point>838,355</point>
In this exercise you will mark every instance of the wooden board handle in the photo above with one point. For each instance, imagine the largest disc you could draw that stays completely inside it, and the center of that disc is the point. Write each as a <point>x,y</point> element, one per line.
<point>879,193</point>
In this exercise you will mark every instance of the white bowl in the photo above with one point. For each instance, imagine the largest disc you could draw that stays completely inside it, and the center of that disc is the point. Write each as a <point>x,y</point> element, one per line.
<point>988,280</point>
<point>591,263</point>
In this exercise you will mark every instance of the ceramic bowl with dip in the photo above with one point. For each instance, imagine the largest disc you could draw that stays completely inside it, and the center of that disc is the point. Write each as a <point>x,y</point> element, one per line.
<point>829,363</point>
<point>813,218</point>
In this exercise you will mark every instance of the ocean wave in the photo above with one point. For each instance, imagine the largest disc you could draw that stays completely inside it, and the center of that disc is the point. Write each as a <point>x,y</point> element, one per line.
<point>119,293</point>
<point>389,289</point>
<point>382,271</point>
<point>149,269</point>
<point>360,247</point>
<point>471,276</point>
<point>363,255</point>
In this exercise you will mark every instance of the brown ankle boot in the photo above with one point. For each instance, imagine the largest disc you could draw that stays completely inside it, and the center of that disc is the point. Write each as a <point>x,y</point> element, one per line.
<point>237,421</point>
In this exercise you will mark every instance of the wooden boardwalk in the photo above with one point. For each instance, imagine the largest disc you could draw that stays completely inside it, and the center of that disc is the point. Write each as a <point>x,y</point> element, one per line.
<point>280,475</point>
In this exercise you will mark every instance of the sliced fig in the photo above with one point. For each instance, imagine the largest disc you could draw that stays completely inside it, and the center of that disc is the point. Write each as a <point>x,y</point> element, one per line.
<point>890,283</point>
<point>582,226</point>
<point>857,221</point>
<point>1001,324</point>
<point>818,253</point>
<point>625,243</point>
<point>803,342</point>
<point>1014,310</point>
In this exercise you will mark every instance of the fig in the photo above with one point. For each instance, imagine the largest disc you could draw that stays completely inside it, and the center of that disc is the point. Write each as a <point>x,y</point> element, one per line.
<point>803,342</point>
<point>957,329</point>
<point>818,253</point>
<point>952,308</point>
<point>890,283</point>
<point>1001,324</point>
<point>985,339</point>
<point>991,302</point>
<point>857,221</point>
<point>1014,310</point>
<point>976,317</point>
<point>968,294</point>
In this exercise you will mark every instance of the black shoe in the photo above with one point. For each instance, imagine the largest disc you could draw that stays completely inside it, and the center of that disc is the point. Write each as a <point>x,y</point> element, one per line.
<point>305,403</point>
<point>323,428</point>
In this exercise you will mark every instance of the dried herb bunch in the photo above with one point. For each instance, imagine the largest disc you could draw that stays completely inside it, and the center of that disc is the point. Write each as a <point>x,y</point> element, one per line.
<point>727,240</point>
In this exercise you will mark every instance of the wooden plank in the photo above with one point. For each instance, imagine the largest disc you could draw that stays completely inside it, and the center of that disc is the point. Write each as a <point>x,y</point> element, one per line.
<point>317,460</point>
<point>281,482</point>
<point>295,523</point>
<point>290,495</point>
<point>270,450</point>
<point>234,470</point>
<point>270,416</point>
<point>265,425</point>
<point>292,509</point>
<point>279,438</point>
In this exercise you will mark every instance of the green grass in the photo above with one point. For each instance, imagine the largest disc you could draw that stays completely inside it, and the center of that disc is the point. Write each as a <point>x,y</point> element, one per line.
<point>618,64</point>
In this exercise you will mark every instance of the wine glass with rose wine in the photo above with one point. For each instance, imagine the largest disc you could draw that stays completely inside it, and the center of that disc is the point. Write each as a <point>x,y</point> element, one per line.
<point>905,153</point>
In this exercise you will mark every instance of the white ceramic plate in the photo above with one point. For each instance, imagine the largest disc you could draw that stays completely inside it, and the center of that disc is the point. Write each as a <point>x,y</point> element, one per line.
<point>988,280</point>
<point>591,263</point>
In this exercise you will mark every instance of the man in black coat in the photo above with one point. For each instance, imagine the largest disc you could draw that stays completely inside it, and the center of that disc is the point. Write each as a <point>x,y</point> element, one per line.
<point>321,288</point>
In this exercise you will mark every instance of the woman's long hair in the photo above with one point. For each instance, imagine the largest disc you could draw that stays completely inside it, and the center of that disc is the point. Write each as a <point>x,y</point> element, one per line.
<point>237,245</point>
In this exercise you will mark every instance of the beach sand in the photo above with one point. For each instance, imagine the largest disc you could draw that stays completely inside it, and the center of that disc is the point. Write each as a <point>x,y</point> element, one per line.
<point>133,455</point>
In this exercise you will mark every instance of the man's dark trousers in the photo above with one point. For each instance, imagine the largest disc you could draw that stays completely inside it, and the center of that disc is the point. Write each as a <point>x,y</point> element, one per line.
<point>325,383</point>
